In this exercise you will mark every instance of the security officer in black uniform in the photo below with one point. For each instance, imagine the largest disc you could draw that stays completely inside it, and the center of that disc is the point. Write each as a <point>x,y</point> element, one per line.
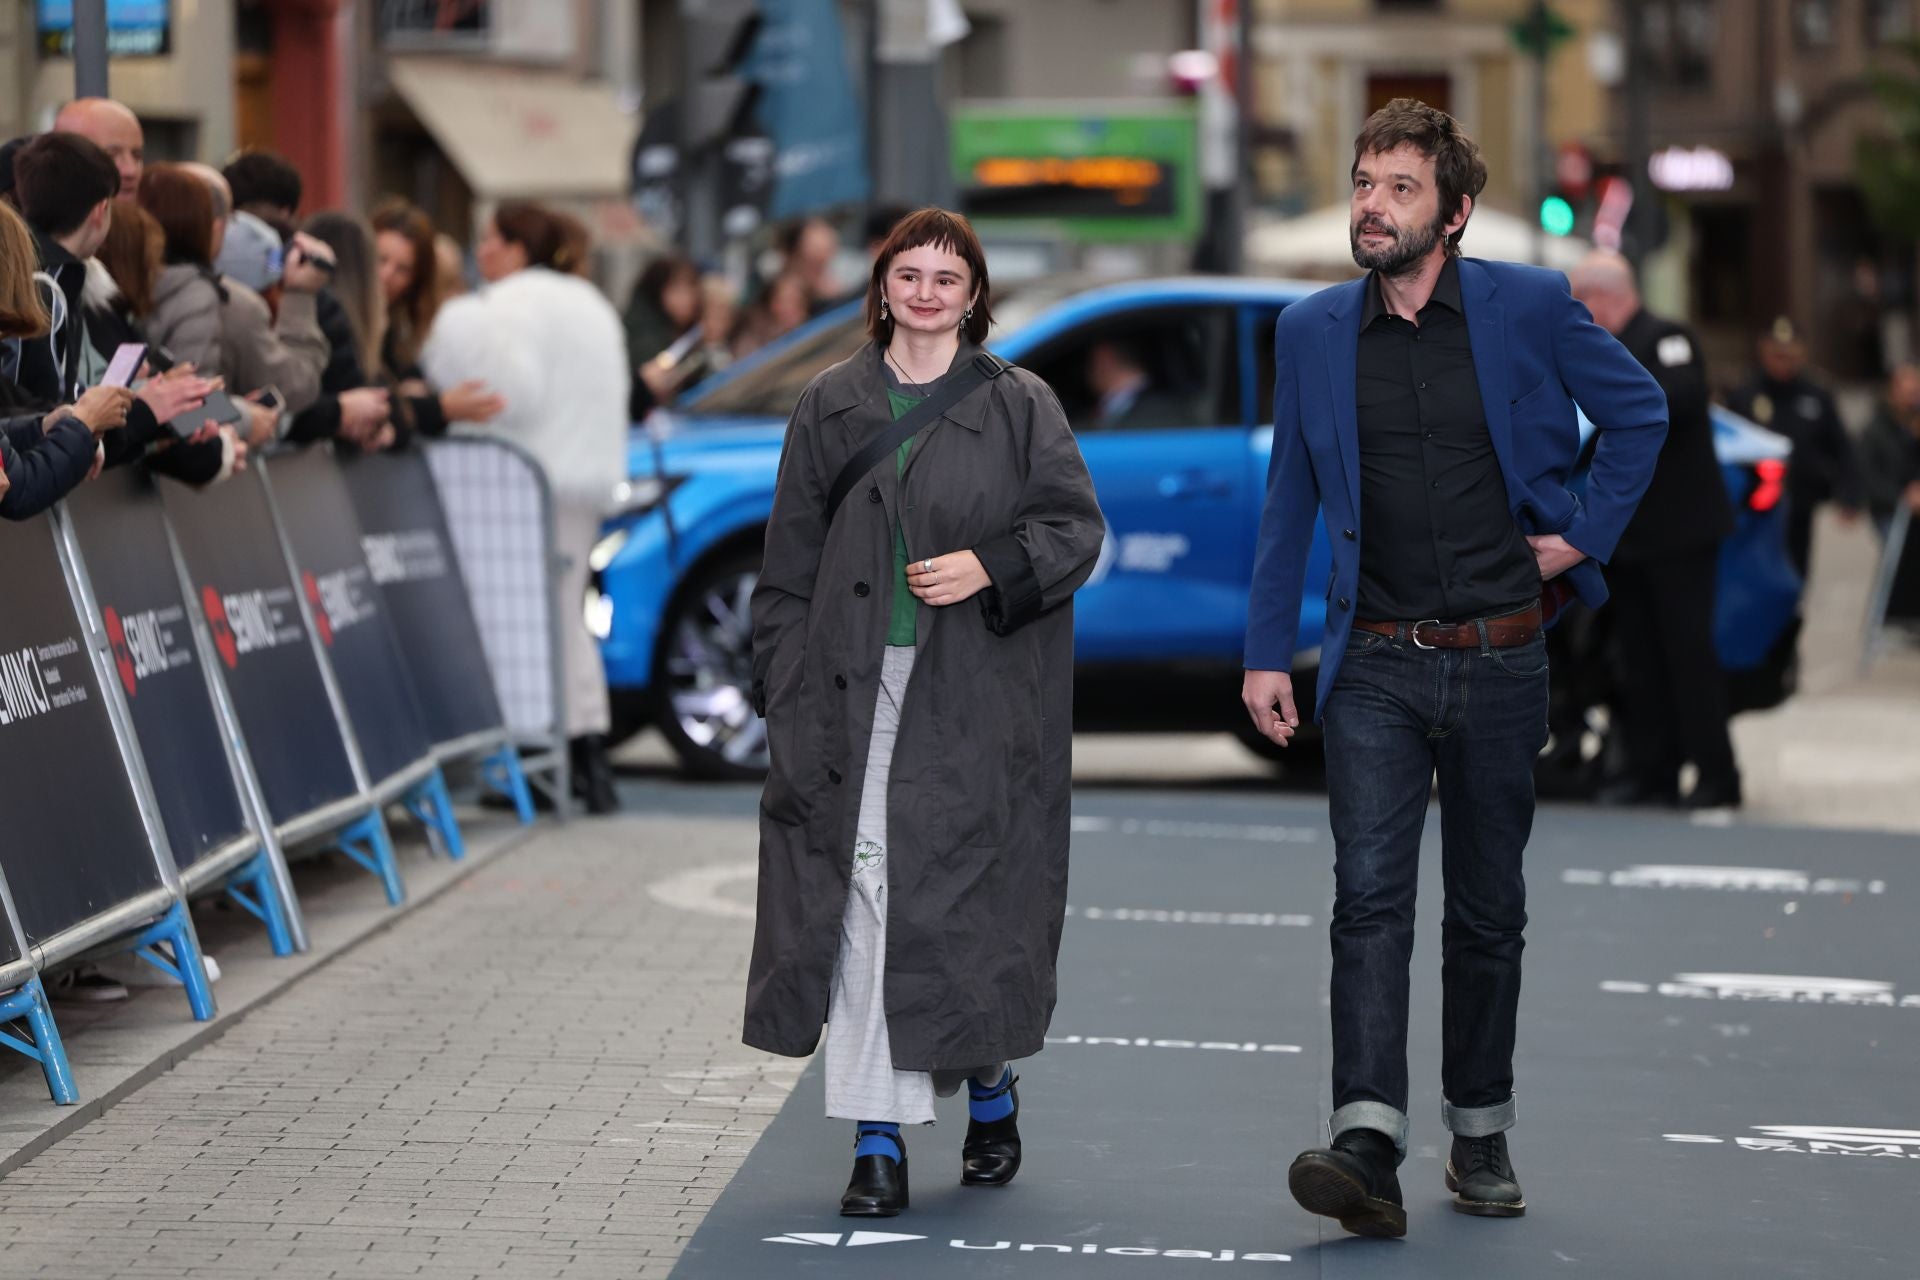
<point>1672,704</point>
<point>1782,396</point>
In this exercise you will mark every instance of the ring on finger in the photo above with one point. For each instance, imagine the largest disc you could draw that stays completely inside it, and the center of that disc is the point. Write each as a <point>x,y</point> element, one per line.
<point>926,566</point>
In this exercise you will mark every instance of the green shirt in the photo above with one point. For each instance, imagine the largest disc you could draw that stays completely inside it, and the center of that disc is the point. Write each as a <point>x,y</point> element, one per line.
<point>906,609</point>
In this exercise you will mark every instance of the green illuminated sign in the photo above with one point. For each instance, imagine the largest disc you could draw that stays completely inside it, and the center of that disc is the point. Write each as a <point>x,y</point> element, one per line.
<point>1115,173</point>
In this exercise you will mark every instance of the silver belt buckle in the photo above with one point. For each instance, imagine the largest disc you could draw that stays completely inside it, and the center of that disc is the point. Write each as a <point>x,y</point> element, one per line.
<point>1413,633</point>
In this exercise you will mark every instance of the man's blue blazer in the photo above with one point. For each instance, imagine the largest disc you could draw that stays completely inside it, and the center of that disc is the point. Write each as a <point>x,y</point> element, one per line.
<point>1536,352</point>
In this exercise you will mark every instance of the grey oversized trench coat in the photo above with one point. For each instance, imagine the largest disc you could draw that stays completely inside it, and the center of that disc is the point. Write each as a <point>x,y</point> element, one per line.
<point>978,799</point>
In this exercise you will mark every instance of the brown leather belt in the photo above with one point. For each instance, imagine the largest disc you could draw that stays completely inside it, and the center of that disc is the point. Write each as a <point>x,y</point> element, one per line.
<point>1503,632</point>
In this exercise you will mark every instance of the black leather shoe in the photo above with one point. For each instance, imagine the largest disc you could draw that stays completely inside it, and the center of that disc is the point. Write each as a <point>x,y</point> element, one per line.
<point>991,1154</point>
<point>878,1188</point>
<point>1353,1181</point>
<point>1481,1178</point>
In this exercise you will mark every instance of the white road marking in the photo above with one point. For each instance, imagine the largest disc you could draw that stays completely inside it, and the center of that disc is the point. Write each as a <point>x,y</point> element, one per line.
<point>698,890</point>
<point>1144,1042</point>
<point>1173,915</point>
<point>1258,832</point>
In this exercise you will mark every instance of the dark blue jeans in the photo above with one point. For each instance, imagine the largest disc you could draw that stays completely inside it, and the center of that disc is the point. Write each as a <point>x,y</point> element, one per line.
<point>1397,715</point>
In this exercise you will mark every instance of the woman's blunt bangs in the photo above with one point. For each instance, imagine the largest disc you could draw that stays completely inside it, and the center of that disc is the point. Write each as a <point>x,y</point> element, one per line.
<point>944,230</point>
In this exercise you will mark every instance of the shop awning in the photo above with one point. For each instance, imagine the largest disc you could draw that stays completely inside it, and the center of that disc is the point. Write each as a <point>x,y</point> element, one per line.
<point>513,132</point>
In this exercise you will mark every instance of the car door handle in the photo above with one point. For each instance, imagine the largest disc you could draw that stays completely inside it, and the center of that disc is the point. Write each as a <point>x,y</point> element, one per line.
<point>1196,484</point>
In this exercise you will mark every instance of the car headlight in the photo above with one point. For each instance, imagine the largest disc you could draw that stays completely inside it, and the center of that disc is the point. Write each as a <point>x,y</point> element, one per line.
<point>642,494</point>
<point>607,548</point>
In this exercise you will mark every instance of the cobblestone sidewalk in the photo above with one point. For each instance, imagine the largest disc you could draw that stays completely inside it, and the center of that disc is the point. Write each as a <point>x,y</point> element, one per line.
<point>537,1074</point>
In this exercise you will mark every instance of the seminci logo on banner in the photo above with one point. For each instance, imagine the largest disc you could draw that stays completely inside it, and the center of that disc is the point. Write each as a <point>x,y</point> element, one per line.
<point>147,643</point>
<point>244,622</point>
<point>32,683</point>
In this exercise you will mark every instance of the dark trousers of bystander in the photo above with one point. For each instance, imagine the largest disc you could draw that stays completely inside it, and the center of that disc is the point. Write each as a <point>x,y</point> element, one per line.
<point>1396,716</point>
<point>1673,694</point>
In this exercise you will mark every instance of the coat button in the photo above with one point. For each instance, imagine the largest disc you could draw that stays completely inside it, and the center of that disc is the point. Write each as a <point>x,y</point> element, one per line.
<point>873,494</point>
<point>1348,534</point>
<point>833,776</point>
<point>1345,603</point>
<point>839,682</point>
<point>860,588</point>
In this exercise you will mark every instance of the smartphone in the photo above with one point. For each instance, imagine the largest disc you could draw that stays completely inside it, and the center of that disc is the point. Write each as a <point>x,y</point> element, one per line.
<point>124,365</point>
<point>219,410</point>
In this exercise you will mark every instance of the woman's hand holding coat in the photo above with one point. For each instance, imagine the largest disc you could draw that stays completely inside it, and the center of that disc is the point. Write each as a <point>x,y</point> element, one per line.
<point>947,579</point>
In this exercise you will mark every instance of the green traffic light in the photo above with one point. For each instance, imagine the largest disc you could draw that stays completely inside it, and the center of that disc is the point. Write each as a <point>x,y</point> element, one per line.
<point>1556,216</point>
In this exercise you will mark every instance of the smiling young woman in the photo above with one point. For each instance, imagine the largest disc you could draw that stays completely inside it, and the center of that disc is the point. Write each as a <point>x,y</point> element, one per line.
<point>917,804</point>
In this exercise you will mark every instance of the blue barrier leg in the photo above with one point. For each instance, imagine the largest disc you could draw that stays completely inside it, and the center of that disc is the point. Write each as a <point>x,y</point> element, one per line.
<point>181,960</point>
<point>430,803</point>
<point>253,888</point>
<point>29,1005</point>
<point>367,843</point>
<point>503,773</point>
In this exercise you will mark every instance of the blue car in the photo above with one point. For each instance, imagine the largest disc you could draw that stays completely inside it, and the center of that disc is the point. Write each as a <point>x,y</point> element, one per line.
<point>1180,465</point>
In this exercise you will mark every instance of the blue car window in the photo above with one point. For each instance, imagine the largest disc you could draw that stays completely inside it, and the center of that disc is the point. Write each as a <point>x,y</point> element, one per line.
<point>1147,370</point>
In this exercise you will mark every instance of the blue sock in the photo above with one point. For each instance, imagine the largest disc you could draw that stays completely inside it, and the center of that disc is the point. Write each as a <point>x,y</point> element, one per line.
<point>879,1138</point>
<point>986,1112</point>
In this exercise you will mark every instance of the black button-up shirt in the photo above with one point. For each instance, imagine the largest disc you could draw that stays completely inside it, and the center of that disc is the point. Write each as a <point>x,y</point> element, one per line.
<point>1438,540</point>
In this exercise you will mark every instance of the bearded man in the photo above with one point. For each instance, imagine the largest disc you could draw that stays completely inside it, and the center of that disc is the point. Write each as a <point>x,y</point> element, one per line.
<point>1429,405</point>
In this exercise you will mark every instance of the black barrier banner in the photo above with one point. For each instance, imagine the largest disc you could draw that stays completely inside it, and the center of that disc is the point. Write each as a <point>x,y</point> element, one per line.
<point>232,551</point>
<point>73,845</point>
<point>403,530</point>
<point>368,666</point>
<point>121,530</point>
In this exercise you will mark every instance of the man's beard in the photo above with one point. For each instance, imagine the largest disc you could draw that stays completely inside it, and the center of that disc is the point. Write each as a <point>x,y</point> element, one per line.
<point>1402,254</point>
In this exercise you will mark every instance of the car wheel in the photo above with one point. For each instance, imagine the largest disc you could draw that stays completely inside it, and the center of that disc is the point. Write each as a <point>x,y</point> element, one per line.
<point>704,672</point>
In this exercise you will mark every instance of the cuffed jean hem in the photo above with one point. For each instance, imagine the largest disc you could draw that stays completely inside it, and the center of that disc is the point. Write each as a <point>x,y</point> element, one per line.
<point>1477,1122</point>
<point>1377,1116</point>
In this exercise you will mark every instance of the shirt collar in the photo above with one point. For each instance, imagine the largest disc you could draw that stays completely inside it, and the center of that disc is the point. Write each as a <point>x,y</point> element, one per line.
<point>1446,292</point>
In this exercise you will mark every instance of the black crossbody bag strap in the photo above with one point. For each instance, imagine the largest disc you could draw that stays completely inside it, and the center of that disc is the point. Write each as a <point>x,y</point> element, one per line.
<point>956,389</point>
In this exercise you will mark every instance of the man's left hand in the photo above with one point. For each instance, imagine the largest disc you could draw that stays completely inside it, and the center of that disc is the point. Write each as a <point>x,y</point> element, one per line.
<point>1554,554</point>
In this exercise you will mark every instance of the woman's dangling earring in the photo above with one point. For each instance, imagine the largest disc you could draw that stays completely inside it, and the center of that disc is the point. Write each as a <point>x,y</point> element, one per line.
<point>883,310</point>
<point>968,314</point>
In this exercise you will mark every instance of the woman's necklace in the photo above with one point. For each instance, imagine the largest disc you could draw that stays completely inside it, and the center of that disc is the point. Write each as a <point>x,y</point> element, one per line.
<point>901,370</point>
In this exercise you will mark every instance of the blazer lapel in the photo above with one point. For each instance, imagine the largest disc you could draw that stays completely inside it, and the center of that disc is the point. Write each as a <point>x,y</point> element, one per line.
<point>1487,331</point>
<point>1342,337</point>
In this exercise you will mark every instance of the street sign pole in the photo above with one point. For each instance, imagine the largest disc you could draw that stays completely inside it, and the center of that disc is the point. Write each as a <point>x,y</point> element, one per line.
<point>89,48</point>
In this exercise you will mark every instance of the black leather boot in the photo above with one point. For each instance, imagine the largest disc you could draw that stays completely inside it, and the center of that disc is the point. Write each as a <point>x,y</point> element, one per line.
<point>1353,1181</point>
<point>990,1156</point>
<point>878,1188</point>
<point>1481,1177</point>
<point>592,774</point>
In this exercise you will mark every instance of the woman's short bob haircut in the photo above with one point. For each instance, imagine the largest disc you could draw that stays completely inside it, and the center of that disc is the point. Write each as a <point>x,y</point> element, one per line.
<point>944,230</point>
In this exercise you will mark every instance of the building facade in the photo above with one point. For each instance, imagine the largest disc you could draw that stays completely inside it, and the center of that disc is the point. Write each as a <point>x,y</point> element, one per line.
<point>1781,90</point>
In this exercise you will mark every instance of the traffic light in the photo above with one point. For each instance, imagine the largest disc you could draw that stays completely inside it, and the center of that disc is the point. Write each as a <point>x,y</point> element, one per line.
<point>718,35</point>
<point>1556,216</point>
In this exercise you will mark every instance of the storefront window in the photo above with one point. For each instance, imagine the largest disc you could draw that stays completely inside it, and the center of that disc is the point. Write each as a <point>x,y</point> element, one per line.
<point>1889,20</point>
<point>1813,23</point>
<point>1677,36</point>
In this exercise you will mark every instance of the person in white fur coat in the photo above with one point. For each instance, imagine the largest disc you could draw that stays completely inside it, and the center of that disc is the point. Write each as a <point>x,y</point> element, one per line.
<point>553,349</point>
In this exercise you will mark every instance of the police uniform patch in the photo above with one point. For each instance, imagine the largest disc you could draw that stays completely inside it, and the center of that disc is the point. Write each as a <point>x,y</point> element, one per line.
<point>1674,350</point>
<point>1763,408</point>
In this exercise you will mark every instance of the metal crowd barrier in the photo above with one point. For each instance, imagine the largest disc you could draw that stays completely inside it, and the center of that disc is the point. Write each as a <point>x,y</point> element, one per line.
<point>1894,604</point>
<point>239,653</point>
<point>499,514</point>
